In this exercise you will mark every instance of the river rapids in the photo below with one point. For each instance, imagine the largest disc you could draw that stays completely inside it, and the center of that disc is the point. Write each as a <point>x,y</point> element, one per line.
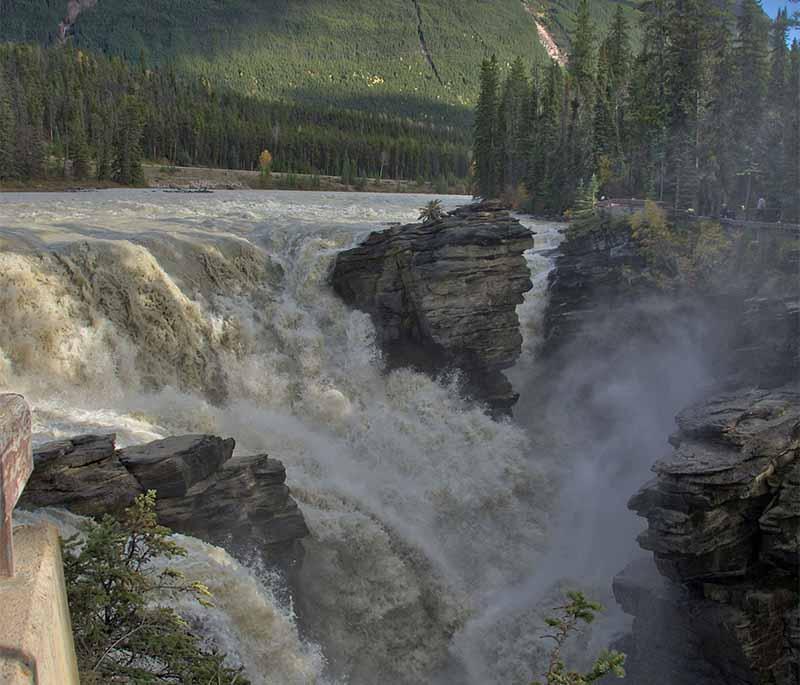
<point>150,314</point>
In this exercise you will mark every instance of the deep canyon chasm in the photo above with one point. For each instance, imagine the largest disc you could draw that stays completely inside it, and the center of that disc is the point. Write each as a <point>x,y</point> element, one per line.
<point>434,548</point>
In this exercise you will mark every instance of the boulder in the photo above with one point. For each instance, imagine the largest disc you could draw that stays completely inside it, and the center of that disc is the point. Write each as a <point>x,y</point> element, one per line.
<point>250,496</point>
<point>241,503</point>
<point>444,294</point>
<point>174,465</point>
<point>82,474</point>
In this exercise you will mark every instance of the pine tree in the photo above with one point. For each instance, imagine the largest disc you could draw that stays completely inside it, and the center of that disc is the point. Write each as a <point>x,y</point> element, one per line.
<point>752,72</point>
<point>547,183</point>
<point>513,117</point>
<point>7,132</point>
<point>103,135</point>
<point>691,28</point>
<point>127,165</point>
<point>486,132</point>
<point>791,185</point>
<point>79,148</point>
<point>718,134</point>
<point>649,102</point>
<point>123,631</point>
<point>777,115</point>
<point>582,57</point>
<point>580,111</point>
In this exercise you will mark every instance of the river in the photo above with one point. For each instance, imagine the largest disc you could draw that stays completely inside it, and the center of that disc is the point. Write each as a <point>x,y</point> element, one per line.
<point>150,313</point>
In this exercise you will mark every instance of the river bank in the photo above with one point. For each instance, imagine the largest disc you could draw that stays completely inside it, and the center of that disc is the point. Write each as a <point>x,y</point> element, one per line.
<point>165,177</point>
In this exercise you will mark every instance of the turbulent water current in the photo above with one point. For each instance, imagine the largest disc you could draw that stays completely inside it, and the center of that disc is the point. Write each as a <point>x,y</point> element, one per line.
<point>149,314</point>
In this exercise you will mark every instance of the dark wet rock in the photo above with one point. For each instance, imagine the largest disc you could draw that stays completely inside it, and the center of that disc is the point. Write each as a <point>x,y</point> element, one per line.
<point>82,474</point>
<point>173,465</point>
<point>239,502</point>
<point>723,516</point>
<point>246,505</point>
<point>767,347</point>
<point>444,294</point>
<point>595,276</point>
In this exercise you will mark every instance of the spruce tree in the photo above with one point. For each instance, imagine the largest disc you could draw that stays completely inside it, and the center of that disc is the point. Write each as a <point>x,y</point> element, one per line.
<point>752,71</point>
<point>791,185</point>
<point>581,93</point>
<point>718,149</point>
<point>582,57</point>
<point>127,165</point>
<point>7,132</point>
<point>777,115</point>
<point>486,132</point>
<point>79,148</point>
<point>514,107</point>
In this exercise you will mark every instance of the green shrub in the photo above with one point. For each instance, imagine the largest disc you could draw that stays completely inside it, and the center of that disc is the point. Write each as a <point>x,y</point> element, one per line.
<point>123,630</point>
<point>565,623</point>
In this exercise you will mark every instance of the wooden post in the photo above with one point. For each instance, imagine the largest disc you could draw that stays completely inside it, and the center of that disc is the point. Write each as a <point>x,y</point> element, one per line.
<point>16,465</point>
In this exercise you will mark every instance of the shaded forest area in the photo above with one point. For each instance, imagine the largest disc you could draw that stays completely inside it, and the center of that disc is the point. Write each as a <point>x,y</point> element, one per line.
<point>705,117</point>
<point>63,110</point>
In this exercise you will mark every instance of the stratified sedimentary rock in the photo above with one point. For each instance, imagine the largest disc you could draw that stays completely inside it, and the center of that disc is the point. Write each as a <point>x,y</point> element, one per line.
<point>723,519</point>
<point>239,502</point>
<point>82,474</point>
<point>174,465</point>
<point>443,295</point>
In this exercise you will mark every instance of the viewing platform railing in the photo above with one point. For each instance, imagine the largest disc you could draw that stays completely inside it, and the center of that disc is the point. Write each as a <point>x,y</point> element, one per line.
<point>36,643</point>
<point>752,220</point>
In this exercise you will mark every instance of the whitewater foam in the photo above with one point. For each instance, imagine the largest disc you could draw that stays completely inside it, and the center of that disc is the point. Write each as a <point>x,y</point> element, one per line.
<point>142,313</point>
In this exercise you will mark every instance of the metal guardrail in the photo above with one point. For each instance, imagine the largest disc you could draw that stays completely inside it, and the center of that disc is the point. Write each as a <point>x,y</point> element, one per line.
<point>625,206</point>
<point>16,466</point>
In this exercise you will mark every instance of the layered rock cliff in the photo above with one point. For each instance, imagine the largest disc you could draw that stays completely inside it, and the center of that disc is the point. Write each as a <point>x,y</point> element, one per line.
<point>603,291</point>
<point>239,502</point>
<point>443,295</point>
<point>722,603</point>
<point>717,603</point>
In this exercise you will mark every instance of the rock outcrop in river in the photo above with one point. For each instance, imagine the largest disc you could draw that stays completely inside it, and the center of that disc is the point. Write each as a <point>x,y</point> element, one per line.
<point>722,604</point>
<point>443,295</point>
<point>238,502</point>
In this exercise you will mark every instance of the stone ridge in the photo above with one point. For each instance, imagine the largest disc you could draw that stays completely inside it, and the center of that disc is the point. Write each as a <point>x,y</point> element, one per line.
<point>443,295</point>
<point>723,518</point>
<point>239,502</point>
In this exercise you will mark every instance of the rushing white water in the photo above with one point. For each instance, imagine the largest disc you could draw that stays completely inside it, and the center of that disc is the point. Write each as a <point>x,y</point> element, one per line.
<point>246,622</point>
<point>150,314</point>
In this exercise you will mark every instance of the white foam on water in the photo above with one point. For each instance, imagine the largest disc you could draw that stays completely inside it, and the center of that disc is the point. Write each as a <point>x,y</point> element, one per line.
<point>245,621</point>
<point>152,314</point>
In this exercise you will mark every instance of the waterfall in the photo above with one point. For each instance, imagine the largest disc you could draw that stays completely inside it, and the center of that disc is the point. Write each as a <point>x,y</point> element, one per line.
<point>146,314</point>
<point>246,621</point>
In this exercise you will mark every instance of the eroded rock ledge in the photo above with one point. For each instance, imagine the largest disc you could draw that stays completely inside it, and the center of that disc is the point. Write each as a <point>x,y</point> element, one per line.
<point>723,517</point>
<point>444,295</point>
<point>238,502</point>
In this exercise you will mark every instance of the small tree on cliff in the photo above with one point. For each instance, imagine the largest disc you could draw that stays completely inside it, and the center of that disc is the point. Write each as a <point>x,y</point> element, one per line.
<point>123,632</point>
<point>431,212</point>
<point>565,623</point>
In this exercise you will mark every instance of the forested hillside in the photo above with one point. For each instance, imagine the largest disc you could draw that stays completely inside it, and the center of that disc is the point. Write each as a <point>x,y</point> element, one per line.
<point>704,116</point>
<point>414,58</point>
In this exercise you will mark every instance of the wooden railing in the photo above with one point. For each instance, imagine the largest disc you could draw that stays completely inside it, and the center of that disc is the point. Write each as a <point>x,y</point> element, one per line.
<point>16,465</point>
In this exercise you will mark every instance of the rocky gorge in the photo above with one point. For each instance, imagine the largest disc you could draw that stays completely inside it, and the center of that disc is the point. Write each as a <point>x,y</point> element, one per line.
<point>442,297</point>
<point>723,522</point>
<point>717,604</point>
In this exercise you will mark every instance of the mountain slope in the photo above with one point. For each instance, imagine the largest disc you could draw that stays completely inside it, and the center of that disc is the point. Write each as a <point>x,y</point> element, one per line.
<point>416,58</point>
